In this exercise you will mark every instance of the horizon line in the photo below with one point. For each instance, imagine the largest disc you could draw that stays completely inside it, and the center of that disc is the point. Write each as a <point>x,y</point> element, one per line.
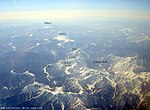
<point>75,14</point>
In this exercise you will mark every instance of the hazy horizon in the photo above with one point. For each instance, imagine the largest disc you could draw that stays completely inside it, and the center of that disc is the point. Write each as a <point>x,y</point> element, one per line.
<point>65,9</point>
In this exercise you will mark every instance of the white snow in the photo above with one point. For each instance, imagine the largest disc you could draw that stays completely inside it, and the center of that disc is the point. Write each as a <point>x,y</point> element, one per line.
<point>63,38</point>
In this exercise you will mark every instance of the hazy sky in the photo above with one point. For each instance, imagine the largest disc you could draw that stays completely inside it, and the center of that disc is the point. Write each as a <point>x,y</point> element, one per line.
<point>19,5</point>
<point>14,8</point>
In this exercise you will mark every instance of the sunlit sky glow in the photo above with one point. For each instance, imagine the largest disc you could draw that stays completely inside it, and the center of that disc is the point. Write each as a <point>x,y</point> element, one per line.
<point>31,9</point>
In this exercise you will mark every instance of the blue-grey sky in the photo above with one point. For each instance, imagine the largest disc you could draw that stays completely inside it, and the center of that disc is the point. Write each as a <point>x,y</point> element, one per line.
<point>32,5</point>
<point>71,9</point>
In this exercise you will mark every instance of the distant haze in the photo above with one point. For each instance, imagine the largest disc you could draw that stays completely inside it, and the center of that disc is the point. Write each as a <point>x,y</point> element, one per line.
<point>69,9</point>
